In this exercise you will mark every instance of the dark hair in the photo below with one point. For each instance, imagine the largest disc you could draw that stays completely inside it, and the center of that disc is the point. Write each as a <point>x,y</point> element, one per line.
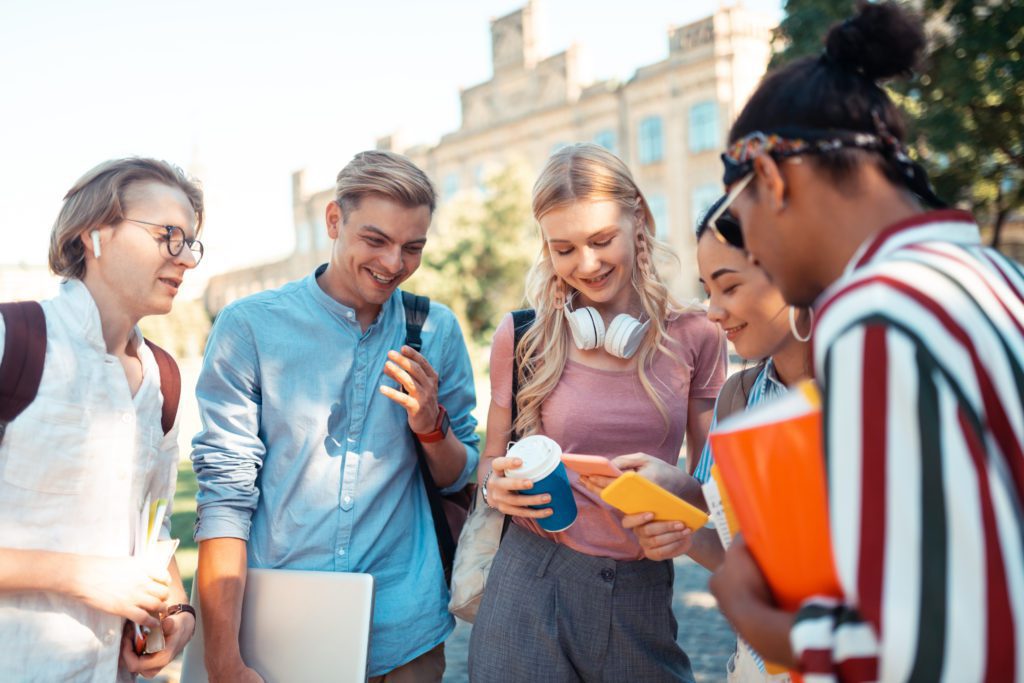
<point>728,226</point>
<point>839,90</point>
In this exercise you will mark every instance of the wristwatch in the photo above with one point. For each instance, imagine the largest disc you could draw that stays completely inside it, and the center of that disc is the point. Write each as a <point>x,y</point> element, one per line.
<point>181,607</point>
<point>440,428</point>
<point>483,490</point>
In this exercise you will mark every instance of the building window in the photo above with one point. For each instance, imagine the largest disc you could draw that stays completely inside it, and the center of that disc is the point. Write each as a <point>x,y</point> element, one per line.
<point>480,178</point>
<point>650,147</point>
<point>323,240</point>
<point>659,209</point>
<point>606,138</point>
<point>302,238</point>
<point>704,126</point>
<point>703,197</point>
<point>449,186</point>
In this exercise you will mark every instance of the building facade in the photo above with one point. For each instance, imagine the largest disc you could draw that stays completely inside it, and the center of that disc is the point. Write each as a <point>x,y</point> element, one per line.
<point>668,123</point>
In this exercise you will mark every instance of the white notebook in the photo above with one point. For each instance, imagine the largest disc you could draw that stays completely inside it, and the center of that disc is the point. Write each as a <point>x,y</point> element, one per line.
<point>298,626</point>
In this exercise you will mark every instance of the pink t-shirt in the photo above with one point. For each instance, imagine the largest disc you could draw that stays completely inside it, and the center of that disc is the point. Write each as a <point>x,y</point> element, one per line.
<point>607,412</point>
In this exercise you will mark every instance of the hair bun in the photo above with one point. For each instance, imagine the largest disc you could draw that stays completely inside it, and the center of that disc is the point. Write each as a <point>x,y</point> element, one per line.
<point>880,42</point>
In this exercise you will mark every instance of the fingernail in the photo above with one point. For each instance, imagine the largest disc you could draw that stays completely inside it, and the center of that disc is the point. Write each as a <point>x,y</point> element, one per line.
<point>648,516</point>
<point>678,526</point>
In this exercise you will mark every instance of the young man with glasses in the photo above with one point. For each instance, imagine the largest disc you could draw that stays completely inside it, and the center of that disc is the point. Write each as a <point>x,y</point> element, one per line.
<point>310,402</point>
<point>78,464</point>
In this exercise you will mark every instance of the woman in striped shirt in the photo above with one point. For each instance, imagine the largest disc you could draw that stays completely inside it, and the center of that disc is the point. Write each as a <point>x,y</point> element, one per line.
<point>919,348</point>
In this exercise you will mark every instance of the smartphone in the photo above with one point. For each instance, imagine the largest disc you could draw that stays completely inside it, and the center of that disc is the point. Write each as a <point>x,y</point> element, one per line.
<point>591,465</point>
<point>631,493</point>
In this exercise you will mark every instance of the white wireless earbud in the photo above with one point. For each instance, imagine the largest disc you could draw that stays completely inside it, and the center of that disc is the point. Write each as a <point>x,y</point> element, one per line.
<point>622,338</point>
<point>95,235</point>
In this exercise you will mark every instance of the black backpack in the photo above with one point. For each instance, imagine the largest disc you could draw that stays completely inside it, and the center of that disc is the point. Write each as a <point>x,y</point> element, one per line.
<point>449,511</point>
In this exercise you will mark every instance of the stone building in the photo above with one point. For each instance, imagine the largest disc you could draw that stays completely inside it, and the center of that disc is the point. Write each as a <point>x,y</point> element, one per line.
<point>668,122</point>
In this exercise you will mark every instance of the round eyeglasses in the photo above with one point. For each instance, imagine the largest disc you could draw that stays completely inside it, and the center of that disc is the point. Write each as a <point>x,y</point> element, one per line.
<point>175,239</point>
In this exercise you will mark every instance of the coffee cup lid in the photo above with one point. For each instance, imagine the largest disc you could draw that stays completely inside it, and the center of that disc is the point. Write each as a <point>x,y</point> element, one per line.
<point>540,456</point>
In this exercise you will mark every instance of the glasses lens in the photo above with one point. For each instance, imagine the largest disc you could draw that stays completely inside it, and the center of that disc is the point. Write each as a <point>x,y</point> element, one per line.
<point>175,240</point>
<point>197,250</point>
<point>729,228</point>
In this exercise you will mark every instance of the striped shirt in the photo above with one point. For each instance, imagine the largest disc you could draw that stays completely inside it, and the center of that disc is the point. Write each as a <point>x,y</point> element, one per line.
<point>765,387</point>
<point>919,348</point>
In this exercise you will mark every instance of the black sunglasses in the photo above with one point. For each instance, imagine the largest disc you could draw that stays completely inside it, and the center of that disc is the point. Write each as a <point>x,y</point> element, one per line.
<point>723,225</point>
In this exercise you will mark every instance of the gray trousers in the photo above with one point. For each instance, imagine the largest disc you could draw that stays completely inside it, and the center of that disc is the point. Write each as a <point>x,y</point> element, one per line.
<point>551,614</point>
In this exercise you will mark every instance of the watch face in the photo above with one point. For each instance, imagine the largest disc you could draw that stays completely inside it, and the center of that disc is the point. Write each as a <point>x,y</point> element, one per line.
<point>445,424</point>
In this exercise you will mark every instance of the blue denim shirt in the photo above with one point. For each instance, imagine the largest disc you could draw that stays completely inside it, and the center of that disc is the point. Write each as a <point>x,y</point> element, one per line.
<point>301,455</point>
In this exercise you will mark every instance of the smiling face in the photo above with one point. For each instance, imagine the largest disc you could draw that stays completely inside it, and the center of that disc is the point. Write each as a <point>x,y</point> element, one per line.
<point>592,246</point>
<point>742,300</point>
<point>377,246</point>
<point>135,270</point>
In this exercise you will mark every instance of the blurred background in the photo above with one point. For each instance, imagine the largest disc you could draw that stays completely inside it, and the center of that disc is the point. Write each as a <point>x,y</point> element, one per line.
<point>265,102</point>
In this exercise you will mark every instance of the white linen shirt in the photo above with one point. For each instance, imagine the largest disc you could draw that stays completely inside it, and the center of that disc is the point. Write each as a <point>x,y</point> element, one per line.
<point>75,469</point>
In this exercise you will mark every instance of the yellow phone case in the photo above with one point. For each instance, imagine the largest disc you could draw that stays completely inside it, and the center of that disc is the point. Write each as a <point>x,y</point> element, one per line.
<point>631,493</point>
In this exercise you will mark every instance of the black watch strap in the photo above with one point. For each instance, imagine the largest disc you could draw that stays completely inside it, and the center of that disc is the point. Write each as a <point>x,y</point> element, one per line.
<point>182,607</point>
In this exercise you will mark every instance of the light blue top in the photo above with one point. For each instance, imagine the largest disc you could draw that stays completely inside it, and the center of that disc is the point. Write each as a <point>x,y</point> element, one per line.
<point>301,455</point>
<point>766,387</point>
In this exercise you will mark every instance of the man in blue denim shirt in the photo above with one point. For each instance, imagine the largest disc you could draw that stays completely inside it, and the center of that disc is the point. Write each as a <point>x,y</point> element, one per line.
<point>306,459</point>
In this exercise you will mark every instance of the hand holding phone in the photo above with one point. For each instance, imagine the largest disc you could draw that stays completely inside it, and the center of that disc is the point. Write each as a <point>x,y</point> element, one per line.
<point>631,493</point>
<point>591,465</point>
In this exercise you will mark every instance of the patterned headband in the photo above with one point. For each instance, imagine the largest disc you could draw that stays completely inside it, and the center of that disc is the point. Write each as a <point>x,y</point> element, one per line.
<point>789,142</point>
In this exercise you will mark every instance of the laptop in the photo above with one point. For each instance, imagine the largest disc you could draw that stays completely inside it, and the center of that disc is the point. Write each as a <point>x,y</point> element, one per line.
<point>297,626</point>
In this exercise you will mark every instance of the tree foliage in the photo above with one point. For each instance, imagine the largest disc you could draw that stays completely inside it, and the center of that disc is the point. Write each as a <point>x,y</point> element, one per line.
<point>965,106</point>
<point>483,243</point>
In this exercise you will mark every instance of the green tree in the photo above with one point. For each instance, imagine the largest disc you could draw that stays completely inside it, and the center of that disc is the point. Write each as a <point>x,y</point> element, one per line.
<point>967,106</point>
<point>965,109</point>
<point>482,246</point>
<point>802,31</point>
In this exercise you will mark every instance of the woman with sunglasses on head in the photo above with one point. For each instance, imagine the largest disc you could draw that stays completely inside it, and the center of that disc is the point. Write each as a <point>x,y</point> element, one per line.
<point>919,350</point>
<point>582,604</point>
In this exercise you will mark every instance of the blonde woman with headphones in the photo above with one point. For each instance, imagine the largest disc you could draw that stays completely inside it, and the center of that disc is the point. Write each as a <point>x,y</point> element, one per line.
<point>611,365</point>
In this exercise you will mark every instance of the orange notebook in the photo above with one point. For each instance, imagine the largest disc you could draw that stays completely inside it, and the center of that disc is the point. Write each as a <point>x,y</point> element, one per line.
<point>770,459</point>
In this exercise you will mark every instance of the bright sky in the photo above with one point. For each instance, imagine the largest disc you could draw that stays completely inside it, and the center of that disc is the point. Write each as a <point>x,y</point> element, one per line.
<point>243,93</point>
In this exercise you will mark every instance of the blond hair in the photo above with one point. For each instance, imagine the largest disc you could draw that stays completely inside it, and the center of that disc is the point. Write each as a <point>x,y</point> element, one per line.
<point>99,197</point>
<point>586,172</point>
<point>384,174</point>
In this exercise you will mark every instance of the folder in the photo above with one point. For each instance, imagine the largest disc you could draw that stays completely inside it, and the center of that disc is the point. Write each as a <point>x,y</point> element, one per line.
<point>772,464</point>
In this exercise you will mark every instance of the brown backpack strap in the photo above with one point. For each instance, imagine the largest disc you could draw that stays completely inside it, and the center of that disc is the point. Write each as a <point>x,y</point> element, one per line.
<point>170,385</point>
<point>21,369</point>
<point>733,397</point>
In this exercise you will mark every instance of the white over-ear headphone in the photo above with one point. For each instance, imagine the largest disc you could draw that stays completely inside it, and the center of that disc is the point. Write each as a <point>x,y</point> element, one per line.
<point>95,235</point>
<point>621,340</point>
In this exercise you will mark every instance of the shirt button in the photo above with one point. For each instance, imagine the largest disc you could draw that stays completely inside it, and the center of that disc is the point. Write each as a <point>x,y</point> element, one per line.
<point>126,417</point>
<point>347,500</point>
<point>341,552</point>
<point>608,574</point>
<point>350,315</point>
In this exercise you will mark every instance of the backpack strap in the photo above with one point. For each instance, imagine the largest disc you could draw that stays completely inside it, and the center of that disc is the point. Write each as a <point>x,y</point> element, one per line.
<point>732,398</point>
<point>21,369</point>
<point>170,385</point>
<point>522,320</point>
<point>417,308</point>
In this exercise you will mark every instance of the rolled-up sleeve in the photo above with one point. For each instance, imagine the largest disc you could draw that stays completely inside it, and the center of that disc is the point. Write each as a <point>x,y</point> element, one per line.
<point>227,454</point>
<point>457,393</point>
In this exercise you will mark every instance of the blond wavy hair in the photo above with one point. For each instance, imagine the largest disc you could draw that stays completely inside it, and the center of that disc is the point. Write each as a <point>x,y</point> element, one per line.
<point>586,173</point>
